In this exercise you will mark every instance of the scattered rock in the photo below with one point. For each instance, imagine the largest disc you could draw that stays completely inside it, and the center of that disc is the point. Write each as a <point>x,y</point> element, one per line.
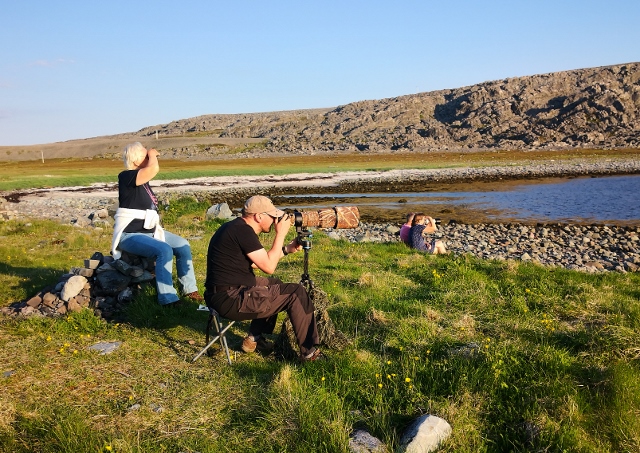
<point>361,441</point>
<point>424,435</point>
<point>219,211</point>
<point>105,347</point>
<point>156,408</point>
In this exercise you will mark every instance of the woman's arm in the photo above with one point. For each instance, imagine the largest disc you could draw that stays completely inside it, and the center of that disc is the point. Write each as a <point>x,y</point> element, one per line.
<point>149,168</point>
<point>430,225</point>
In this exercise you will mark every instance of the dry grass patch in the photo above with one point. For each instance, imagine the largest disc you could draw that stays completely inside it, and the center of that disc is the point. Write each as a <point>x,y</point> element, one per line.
<point>7,414</point>
<point>384,281</point>
<point>467,409</point>
<point>466,326</point>
<point>365,357</point>
<point>377,317</point>
<point>424,328</point>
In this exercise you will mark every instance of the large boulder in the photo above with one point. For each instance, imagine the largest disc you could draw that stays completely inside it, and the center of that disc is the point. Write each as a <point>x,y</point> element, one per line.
<point>219,211</point>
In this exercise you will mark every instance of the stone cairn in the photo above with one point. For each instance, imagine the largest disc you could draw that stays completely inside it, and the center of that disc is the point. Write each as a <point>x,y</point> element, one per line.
<point>104,284</point>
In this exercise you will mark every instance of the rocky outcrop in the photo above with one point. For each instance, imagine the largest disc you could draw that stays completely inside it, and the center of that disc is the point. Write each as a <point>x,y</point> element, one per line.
<point>592,108</point>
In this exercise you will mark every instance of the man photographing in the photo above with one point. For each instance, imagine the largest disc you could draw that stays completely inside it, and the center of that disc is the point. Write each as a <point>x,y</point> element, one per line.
<point>234,291</point>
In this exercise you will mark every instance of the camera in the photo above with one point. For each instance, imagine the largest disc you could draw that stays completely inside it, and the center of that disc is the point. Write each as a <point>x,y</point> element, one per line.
<point>437,221</point>
<point>342,217</point>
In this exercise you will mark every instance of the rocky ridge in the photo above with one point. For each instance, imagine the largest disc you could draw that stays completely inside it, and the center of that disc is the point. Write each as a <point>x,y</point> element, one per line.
<point>590,108</point>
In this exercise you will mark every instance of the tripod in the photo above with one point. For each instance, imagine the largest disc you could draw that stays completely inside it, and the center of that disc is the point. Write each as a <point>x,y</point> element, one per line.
<point>304,239</point>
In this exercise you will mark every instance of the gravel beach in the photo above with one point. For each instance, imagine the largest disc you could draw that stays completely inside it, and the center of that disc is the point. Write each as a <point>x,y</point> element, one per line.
<point>590,248</point>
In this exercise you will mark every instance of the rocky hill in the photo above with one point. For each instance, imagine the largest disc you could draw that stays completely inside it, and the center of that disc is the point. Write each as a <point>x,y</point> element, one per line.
<point>584,108</point>
<point>595,107</point>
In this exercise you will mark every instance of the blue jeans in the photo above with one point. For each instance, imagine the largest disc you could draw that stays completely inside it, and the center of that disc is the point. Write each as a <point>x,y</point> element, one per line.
<point>143,244</point>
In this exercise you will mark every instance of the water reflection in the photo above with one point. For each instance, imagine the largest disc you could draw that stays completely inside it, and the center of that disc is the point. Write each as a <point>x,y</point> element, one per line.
<point>601,199</point>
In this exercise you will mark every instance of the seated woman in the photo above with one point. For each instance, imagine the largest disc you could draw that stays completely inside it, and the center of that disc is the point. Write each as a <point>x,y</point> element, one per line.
<point>137,228</point>
<point>404,230</point>
<point>424,224</point>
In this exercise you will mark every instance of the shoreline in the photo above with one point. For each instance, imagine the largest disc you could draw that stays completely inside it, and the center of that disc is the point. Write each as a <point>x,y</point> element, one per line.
<point>67,203</point>
<point>585,248</point>
<point>451,175</point>
<point>588,248</point>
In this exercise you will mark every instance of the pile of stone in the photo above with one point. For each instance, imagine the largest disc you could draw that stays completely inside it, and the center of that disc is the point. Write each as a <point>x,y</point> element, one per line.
<point>103,284</point>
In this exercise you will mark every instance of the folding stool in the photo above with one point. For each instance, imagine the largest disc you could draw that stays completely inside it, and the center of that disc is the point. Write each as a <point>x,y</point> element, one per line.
<point>214,318</point>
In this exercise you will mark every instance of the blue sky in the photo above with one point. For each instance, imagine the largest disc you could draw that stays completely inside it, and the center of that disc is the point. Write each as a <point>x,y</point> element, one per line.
<point>80,69</point>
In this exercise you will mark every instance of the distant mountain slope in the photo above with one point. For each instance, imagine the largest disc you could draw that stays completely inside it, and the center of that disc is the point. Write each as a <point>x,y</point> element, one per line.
<point>590,108</point>
<point>595,107</point>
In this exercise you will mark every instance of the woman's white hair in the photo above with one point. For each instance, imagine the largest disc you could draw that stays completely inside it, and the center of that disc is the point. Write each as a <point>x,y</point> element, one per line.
<point>133,152</point>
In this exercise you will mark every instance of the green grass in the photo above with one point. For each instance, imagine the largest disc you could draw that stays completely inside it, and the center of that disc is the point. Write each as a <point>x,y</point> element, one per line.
<point>516,357</point>
<point>83,172</point>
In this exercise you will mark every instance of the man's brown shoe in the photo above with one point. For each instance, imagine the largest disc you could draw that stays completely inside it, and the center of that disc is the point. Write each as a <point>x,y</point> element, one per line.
<point>263,345</point>
<point>316,355</point>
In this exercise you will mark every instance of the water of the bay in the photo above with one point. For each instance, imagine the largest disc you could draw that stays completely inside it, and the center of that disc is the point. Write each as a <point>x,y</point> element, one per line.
<point>604,200</point>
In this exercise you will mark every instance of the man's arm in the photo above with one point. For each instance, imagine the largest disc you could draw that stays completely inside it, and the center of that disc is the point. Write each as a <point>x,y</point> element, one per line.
<point>267,261</point>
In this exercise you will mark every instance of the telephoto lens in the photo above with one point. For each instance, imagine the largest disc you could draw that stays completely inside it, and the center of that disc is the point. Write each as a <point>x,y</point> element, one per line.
<point>338,217</point>
<point>437,221</point>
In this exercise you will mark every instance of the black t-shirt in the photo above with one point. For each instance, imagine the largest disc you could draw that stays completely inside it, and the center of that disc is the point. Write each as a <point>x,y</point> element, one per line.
<point>135,197</point>
<point>227,261</point>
